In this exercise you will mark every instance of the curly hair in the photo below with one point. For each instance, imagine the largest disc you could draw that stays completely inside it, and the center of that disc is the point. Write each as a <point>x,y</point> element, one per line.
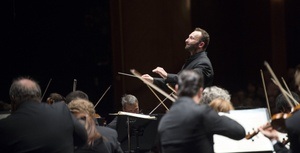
<point>213,92</point>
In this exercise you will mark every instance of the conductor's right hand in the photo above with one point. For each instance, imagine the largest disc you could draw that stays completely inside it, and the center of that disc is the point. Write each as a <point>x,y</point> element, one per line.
<point>161,71</point>
<point>147,77</point>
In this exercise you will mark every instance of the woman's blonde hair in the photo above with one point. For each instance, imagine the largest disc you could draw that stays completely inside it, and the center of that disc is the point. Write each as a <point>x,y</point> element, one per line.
<point>221,105</point>
<point>87,108</point>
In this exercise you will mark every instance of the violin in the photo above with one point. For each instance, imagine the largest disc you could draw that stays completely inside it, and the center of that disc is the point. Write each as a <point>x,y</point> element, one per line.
<point>278,123</point>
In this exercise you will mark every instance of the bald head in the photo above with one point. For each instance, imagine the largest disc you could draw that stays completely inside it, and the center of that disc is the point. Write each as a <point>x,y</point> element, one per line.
<point>24,89</point>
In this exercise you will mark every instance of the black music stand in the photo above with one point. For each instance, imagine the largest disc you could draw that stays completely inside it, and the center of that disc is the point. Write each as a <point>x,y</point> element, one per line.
<point>137,133</point>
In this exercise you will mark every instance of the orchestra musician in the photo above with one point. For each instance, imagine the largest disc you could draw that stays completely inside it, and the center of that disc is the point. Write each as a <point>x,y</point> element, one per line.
<point>189,126</point>
<point>196,44</point>
<point>291,124</point>
<point>129,104</point>
<point>100,138</point>
<point>37,127</point>
<point>76,94</point>
<point>221,105</point>
<point>55,97</point>
<point>213,92</point>
<point>218,98</point>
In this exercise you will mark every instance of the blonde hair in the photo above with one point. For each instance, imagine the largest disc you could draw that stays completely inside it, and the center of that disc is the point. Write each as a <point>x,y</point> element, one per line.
<point>221,105</point>
<point>86,107</point>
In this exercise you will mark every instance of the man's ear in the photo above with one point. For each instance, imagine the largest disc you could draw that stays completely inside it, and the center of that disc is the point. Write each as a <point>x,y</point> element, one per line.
<point>201,44</point>
<point>176,88</point>
<point>200,91</point>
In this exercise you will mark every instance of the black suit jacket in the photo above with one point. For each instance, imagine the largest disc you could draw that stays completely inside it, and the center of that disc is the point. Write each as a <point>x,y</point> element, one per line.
<point>293,127</point>
<point>189,127</point>
<point>39,127</point>
<point>198,62</point>
<point>108,144</point>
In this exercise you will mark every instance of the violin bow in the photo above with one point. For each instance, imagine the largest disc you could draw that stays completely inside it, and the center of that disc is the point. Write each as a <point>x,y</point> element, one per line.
<point>265,90</point>
<point>278,83</point>
<point>287,94</point>
<point>290,93</point>
<point>138,75</point>
<point>74,84</point>
<point>171,88</point>
<point>161,102</point>
<point>46,89</point>
<point>149,87</point>
<point>286,86</point>
<point>102,96</point>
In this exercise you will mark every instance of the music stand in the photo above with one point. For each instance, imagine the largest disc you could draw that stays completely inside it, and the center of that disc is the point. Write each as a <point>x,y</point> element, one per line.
<point>136,132</point>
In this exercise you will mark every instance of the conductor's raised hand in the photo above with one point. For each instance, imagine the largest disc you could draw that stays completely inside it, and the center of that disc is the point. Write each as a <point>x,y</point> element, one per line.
<point>161,72</point>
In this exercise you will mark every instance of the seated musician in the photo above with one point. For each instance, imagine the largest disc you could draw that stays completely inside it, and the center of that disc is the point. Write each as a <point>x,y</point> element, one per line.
<point>213,92</point>
<point>291,125</point>
<point>221,105</point>
<point>129,104</point>
<point>100,139</point>
<point>218,98</point>
<point>55,97</point>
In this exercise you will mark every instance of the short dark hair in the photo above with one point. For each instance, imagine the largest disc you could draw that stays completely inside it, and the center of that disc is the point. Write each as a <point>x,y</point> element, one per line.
<point>189,83</point>
<point>282,105</point>
<point>76,94</point>
<point>205,37</point>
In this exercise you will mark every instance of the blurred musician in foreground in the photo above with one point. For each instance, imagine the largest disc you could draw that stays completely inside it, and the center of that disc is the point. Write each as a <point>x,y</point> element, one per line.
<point>36,127</point>
<point>100,139</point>
<point>189,127</point>
<point>129,104</point>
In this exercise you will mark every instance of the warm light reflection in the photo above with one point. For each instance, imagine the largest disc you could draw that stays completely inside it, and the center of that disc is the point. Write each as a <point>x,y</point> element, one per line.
<point>188,5</point>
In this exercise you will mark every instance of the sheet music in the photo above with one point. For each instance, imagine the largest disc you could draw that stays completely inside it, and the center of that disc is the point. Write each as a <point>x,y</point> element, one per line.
<point>135,115</point>
<point>250,119</point>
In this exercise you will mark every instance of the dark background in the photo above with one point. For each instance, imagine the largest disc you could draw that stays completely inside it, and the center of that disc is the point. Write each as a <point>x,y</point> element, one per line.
<point>66,40</point>
<point>58,40</point>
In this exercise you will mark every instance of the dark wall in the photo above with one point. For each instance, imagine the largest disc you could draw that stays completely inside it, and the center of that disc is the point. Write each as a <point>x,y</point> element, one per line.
<point>244,34</point>
<point>240,38</point>
<point>58,40</point>
<point>93,40</point>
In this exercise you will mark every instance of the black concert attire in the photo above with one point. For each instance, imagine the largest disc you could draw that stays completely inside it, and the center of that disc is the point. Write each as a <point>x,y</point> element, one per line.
<point>198,62</point>
<point>107,144</point>
<point>113,123</point>
<point>293,128</point>
<point>280,148</point>
<point>39,127</point>
<point>188,127</point>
